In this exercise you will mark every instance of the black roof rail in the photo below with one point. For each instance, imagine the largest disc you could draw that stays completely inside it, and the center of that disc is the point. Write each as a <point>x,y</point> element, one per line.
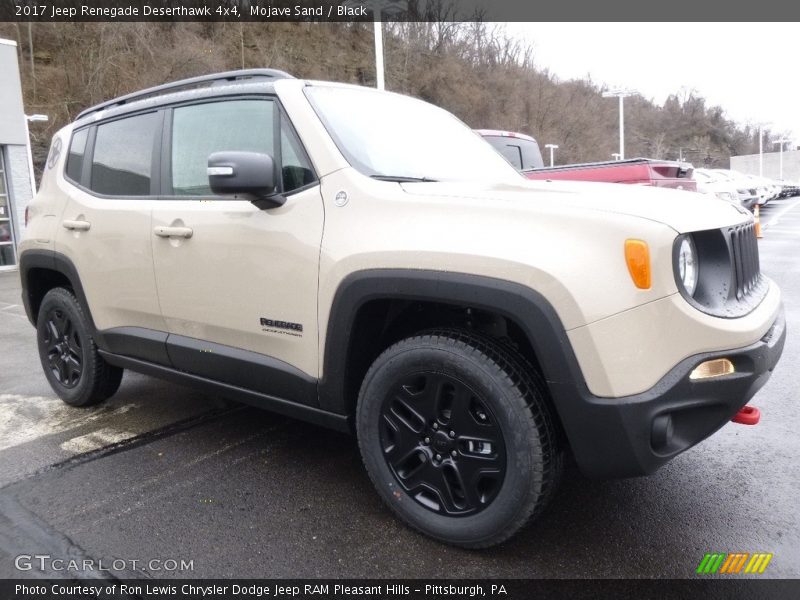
<point>214,78</point>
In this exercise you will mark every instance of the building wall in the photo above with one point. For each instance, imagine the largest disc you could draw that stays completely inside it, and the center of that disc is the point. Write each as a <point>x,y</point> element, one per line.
<point>748,163</point>
<point>14,138</point>
<point>18,173</point>
<point>12,115</point>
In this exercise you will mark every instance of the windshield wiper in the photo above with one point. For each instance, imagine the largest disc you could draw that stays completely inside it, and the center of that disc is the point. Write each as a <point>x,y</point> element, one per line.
<point>401,178</point>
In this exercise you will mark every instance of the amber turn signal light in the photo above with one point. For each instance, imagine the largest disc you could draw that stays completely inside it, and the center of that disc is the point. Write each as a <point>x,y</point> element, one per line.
<point>637,256</point>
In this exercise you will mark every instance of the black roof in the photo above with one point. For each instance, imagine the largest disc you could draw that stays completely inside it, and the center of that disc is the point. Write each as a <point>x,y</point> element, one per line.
<point>203,81</point>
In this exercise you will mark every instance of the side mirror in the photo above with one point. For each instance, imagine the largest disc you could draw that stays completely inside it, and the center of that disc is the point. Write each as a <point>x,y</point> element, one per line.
<point>247,174</point>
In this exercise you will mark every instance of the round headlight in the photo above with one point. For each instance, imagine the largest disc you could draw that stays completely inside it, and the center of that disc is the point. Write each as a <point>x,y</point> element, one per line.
<point>687,265</point>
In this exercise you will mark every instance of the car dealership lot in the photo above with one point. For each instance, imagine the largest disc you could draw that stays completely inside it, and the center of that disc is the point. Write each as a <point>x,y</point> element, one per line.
<point>164,472</point>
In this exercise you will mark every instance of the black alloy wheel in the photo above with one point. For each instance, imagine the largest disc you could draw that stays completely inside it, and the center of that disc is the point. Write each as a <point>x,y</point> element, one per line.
<point>63,348</point>
<point>458,437</point>
<point>70,359</point>
<point>443,444</point>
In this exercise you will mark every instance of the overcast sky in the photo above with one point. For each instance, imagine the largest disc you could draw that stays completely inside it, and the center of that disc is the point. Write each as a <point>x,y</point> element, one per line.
<point>750,69</point>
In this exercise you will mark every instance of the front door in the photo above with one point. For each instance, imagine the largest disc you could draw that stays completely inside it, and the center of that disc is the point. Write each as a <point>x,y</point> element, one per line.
<point>238,285</point>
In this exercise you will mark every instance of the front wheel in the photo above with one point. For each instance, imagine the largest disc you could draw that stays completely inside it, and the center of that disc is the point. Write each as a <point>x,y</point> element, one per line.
<point>69,357</point>
<point>457,437</point>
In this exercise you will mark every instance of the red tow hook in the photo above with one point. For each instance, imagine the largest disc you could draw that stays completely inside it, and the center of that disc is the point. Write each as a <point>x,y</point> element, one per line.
<point>747,415</point>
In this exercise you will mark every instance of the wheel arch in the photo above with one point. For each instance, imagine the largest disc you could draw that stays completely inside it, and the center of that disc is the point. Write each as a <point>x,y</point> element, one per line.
<point>43,270</point>
<point>366,299</point>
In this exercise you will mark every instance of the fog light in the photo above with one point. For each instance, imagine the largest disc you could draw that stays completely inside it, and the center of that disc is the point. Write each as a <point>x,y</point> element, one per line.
<point>713,368</point>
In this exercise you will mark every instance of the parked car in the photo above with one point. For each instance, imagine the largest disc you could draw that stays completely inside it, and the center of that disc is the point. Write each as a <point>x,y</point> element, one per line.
<point>748,191</point>
<point>714,184</point>
<point>362,260</point>
<point>790,188</point>
<point>523,152</point>
<point>763,188</point>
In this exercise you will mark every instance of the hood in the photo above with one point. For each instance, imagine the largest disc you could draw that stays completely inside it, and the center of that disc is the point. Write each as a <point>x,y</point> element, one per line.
<point>681,210</point>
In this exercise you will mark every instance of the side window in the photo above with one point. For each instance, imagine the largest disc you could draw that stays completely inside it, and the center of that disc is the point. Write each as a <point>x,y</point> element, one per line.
<point>123,156</point>
<point>510,151</point>
<point>513,154</point>
<point>531,155</point>
<point>77,149</point>
<point>202,129</point>
<point>297,170</point>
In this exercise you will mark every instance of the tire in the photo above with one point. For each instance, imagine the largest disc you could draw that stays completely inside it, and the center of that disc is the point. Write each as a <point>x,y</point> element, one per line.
<point>69,357</point>
<point>481,409</point>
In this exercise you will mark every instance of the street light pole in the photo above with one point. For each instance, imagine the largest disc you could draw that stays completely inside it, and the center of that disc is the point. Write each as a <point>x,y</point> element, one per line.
<point>621,94</point>
<point>378,8</point>
<point>622,127</point>
<point>781,141</point>
<point>552,147</point>
<point>378,49</point>
<point>761,126</point>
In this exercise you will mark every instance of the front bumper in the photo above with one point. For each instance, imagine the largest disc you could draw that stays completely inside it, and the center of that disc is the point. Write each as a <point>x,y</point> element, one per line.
<point>635,435</point>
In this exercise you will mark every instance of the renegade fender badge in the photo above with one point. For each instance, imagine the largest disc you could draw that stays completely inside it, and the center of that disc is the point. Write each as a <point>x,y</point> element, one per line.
<point>285,326</point>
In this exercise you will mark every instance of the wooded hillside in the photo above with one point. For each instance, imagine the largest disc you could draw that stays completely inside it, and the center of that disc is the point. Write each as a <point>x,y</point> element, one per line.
<point>473,70</point>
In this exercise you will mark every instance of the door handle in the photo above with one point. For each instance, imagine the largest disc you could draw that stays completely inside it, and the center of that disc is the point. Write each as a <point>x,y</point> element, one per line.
<point>167,232</point>
<point>76,225</point>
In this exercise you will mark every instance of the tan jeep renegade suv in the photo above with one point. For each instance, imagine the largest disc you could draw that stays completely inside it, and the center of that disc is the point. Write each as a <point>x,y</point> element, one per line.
<point>363,260</point>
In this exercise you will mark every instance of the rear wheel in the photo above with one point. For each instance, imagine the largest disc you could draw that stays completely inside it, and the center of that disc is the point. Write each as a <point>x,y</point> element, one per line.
<point>457,437</point>
<point>69,357</point>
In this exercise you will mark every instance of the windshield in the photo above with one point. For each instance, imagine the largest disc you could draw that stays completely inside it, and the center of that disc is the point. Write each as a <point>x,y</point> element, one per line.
<point>389,136</point>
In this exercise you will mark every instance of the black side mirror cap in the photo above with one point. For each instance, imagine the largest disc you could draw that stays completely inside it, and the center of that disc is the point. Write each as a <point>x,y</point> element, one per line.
<point>250,175</point>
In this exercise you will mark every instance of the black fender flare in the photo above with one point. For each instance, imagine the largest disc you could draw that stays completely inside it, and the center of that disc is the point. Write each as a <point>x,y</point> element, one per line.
<point>52,261</point>
<point>527,307</point>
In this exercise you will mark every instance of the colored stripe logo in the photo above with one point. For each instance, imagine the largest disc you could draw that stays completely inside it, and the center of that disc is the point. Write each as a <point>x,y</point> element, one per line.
<point>734,563</point>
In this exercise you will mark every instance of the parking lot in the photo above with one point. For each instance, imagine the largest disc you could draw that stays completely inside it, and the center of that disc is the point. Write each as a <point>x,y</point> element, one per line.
<point>164,472</point>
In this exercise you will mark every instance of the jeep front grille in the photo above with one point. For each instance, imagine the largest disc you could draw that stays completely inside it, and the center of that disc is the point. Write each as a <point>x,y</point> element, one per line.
<point>729,282</point>
<point>744,258</point>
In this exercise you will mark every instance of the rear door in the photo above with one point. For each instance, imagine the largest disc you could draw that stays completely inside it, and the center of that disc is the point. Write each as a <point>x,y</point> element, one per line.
<point>238,285</point>
<point>110,178</point>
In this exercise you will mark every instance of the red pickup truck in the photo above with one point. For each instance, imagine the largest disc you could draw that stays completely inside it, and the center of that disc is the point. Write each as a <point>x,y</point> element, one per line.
<point>523,152</point>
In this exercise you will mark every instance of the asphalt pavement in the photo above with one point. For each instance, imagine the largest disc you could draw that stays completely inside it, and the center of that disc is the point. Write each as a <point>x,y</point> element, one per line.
<point>163,472</point>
